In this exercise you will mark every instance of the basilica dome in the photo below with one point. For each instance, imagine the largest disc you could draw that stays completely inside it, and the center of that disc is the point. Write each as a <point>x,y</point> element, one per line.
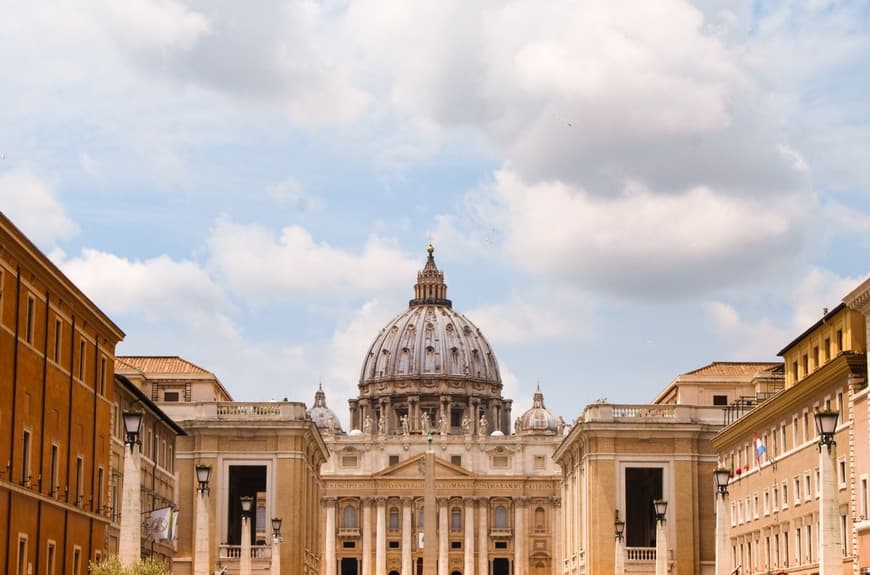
<point>321,415</point>
<point>539,419</point>
<point>430,340</point>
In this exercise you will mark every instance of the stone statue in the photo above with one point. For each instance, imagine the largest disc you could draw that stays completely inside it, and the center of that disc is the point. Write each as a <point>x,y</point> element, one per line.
<point>330,424</point>
<point>405,428</point>
<point>382,423</point>
<point>443,424</point>
<point>466,425</point>
<point>484,424</point>
<point>367,425</point>
<point>424,423</point>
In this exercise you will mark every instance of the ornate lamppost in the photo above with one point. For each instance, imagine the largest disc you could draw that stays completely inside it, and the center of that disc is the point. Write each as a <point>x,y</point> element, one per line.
<point>721,477</point>
<point>130,545</point>
<point>661,508</point>
<point>830,547</point>
<point>245,558</point>
<point>619,559</point>
<point>201,555</point>
<point>276,546</point>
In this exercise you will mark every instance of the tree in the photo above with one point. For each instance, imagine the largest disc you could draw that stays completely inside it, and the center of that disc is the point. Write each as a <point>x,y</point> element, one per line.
<point>112,566</point>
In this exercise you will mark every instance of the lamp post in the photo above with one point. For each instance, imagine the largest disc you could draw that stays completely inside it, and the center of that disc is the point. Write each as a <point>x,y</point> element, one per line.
<point>245,558</point>
<point>721,477</point>
<point>619,559</point>
<point>661,508</point>
<point>276,546</point>
<point>830,547</point>
<point>129,546</point>
<point>201,556</point>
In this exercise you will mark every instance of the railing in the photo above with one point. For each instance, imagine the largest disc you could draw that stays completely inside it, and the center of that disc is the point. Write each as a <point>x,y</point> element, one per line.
<point>641,553</point>
<point>236,411</point>
<point>235,552</point>
<point>500,532</point>
<point>348,532</point>
<point>611,413</point>
<point>248,409</point>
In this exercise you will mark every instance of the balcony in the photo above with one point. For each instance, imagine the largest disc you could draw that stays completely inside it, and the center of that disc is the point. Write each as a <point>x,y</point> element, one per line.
<point>500,532</point>
<point>348,532</point>
<point>229,557</point>
<point>640,553</point>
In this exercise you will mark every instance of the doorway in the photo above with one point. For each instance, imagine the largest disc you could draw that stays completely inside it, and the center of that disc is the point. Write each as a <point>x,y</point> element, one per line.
<point>349,566</point>
<point>501,566</point>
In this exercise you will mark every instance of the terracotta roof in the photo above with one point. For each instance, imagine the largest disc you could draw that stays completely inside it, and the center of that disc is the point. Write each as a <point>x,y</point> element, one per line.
<point>160,364</point>
<point>733,368</point>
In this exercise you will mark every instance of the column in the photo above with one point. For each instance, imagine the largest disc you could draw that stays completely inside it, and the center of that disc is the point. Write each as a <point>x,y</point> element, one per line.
<point>557,533</point>
<point>366,527</point>
<point>201,556</point>
<point>469,534</point>
<point>245,551</point>
<point>381,543</point>
<point>722,551</point>
<point>830,547</point>
<point>521,558</point>
<point>483,536</point>
<point>619,559</point>
<point>661,548</point>
<point>443,561</point>
<point>329,536</point>
<point>407,525</point>
<point>129,546</point>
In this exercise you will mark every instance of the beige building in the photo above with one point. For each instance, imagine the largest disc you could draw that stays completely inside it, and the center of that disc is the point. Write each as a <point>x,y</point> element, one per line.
<point>618,459</point>
<point>489,500</point>
<point>777,518</point>
<point>271,452</point>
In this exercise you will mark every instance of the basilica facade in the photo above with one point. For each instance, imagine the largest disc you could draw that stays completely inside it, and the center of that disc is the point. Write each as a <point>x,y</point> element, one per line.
<point>432,474</point>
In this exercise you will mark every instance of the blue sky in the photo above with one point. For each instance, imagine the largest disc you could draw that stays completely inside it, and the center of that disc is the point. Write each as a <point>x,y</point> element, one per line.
<point>618,192</point>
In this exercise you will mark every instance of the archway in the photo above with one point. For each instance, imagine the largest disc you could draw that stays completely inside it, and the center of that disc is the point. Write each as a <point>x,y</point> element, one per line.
<point>501,566</point>
<point>349,566</point>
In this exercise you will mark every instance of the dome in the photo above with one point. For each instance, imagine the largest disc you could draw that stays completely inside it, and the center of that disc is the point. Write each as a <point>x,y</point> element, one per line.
<point>322,416</point>
<point>539,419</point>
<point>430,340</point>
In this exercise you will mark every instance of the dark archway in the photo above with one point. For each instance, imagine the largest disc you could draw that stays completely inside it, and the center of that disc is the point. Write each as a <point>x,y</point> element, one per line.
<point>349,566</point>
<point>501,566</point>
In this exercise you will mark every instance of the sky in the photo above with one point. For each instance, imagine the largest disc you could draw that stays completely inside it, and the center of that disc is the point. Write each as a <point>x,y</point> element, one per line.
<point>618,192</point>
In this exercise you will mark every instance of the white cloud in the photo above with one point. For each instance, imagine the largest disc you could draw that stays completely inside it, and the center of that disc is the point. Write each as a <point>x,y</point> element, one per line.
<point>819,289</point>
<point>756,340</point>
<point>31,204</point>
<point>289,191</point>
<point>519,321</point>
<point>159,289</point>
<point>263,267</point>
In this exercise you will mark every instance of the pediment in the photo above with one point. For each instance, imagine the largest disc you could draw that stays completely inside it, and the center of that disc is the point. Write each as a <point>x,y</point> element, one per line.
<point>414,467</point>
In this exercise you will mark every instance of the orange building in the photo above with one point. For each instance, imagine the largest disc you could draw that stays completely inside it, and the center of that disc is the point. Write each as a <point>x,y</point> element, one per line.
<point>57,354</point>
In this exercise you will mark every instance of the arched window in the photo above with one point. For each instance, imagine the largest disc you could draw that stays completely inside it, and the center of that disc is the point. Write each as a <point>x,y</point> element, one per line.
<point>501,517</point>
<point>349,515</point>
<point>456,519</point>
<point>419,518</point>
<point>394,517</point>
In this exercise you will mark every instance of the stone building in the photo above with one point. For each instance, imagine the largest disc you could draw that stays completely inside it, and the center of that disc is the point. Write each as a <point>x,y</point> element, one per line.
<point>618,459</point>
<point>775,510</point>
<point>57,354</point>
<point>433,476</point>
<point>269,451</point>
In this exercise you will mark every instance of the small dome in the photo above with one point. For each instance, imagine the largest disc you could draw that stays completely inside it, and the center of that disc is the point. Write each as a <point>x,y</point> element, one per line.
<point>539,419</point>
<point>322,416</point>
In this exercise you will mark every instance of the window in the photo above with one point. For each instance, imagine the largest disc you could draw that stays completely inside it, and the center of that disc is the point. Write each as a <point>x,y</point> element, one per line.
<point>25,458</point>
<point>99,498</point>
<point>784,494</point>
<point>540,520</point>
<point>843,535</point>
<point>50,558</point>
<point>540,462</point>
<point>500,461</point>
<point>775,498</point>
<point>456,460</point>
<point>809,543</point>
<point>58,331</point>
<point>456,544</point>
<point>393,460</point>
<point>784,446</point>
<point>808,487</point>
<point>349,517</point>
<point>841,407</point>
<point>77,488</point>
<point>52,470</point>
<point>785,546</point>
<point>28,320</point>
<point>841,469</point>
<point>797,546</point>
<point>797,490</point>
<point>102,377</point>
<point>839,340</point>
<point>815,356</point>
<point>720,400</point>
<point>456,519</point>
<point>794,371</point>
<point>818,482</point>
<point>21,568</point>
<point>171,396</point>
<point>393,545</point>
<point>766,502</point>
<point>807,430</point>
<point>805,363</point>
<point>864,503</point>
<point>394,518</point>
<point>755,506</point>
<point>827,349</point>
<point>77,561</point>
<point>83,347</point>
<point>500,519</point>
<point>349,461</point>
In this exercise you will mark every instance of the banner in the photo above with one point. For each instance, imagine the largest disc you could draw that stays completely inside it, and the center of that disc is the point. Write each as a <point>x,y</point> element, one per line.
<point>160,522</point>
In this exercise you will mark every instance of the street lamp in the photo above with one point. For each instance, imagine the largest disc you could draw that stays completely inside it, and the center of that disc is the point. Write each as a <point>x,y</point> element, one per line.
<point>129,546</point>
<point>619,559</point>
<point>201,557</point>
<point>245,560</point>
<point>830,551</point>
<point>661,508</point>
<point>721,477</point>
<point>276,546</point>
<point>826,424</point>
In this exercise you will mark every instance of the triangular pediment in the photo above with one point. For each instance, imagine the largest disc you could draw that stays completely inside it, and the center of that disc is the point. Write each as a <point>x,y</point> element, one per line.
<point>414,467</point>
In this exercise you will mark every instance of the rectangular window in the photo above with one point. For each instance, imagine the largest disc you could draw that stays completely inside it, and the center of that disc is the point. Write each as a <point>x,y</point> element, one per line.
<point>865,498</point>
<point>794,371</point>
<point>827,349</point>
<point>25,458</point>
<point>843,535</point>
<point>784,446</point>
<point>643,485</point>
<point>456,460</point>
<point>102,376</point>
<point>720,400</point>
<point>58,331</point>
<point>797,546</point>
<point>50,559</point>
<point>171,396</point>
<point>766,502</point>
<point>785,494</point>
<point>805,364</point>
<point>839,340</point>
<point>841,407</point>
<point>808,487</point>
<point>809,543</point>
<point>28,320</point>
<point>83,347</point>
<point>77,561</point>
<point>785,547</point>
<point>52,477</point>
<point>797,490</point>
<point>815,357</point>
<point>807,429</point>
<point>349,461</point>
<point>99,498</point>
<point>500,461</point>
<point>841,472</point>
<point>540,462</point>
<point>21,568</point>
<point>77,492</point>
<point>393,460</point>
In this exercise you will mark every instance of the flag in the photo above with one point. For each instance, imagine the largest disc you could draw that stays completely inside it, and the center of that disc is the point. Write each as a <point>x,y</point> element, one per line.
<point>173,526</point>
<point>760,450</point>
<point>160,519</point>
